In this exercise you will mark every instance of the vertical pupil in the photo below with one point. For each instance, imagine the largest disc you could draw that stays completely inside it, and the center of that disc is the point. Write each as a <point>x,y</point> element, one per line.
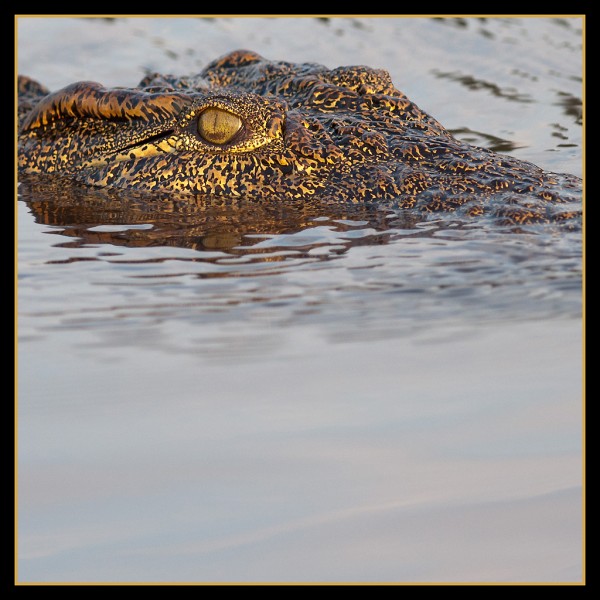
<point>218,126</point>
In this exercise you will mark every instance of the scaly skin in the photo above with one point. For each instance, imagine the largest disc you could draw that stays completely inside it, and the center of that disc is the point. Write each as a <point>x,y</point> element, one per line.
<point>251,128</point>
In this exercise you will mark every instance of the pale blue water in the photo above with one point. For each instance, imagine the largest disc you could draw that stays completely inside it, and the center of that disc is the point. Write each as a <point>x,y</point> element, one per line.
<point>326,396</point>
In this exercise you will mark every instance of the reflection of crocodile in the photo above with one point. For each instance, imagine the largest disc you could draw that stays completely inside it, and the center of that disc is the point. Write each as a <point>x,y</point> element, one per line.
<point>265,130</point>
<point>137,219</point>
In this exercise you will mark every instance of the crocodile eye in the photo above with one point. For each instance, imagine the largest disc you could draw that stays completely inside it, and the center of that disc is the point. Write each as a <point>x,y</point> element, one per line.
<point>218,126</point>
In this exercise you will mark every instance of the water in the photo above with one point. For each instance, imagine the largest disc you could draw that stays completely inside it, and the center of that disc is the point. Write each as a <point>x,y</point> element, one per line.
<point>303,393</point>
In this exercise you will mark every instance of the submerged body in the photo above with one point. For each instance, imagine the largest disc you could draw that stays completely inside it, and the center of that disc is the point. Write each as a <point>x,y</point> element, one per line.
<point>251,128</point>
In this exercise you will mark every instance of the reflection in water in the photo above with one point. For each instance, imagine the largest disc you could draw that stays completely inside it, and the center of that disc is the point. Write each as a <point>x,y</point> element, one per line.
<point>572,106</point>
<point>424,268</point>
<point>485,140</point>
<point>93,216</point>
<point>473,83</point>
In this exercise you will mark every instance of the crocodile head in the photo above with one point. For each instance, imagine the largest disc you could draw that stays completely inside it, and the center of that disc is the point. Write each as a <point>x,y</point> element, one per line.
<point>259,129</point>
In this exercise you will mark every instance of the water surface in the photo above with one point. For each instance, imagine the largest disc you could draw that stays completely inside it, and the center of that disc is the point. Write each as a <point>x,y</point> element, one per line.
<point>232,392</point>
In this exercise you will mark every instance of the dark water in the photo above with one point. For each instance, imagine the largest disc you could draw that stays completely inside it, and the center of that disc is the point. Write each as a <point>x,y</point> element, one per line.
<point>304,392</point>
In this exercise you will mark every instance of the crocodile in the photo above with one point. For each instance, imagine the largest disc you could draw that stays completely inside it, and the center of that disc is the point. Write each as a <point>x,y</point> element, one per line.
<point>263,130</point>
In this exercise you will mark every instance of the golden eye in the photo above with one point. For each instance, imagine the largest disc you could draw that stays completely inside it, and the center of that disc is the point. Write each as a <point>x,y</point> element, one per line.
<point>218,126</point>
